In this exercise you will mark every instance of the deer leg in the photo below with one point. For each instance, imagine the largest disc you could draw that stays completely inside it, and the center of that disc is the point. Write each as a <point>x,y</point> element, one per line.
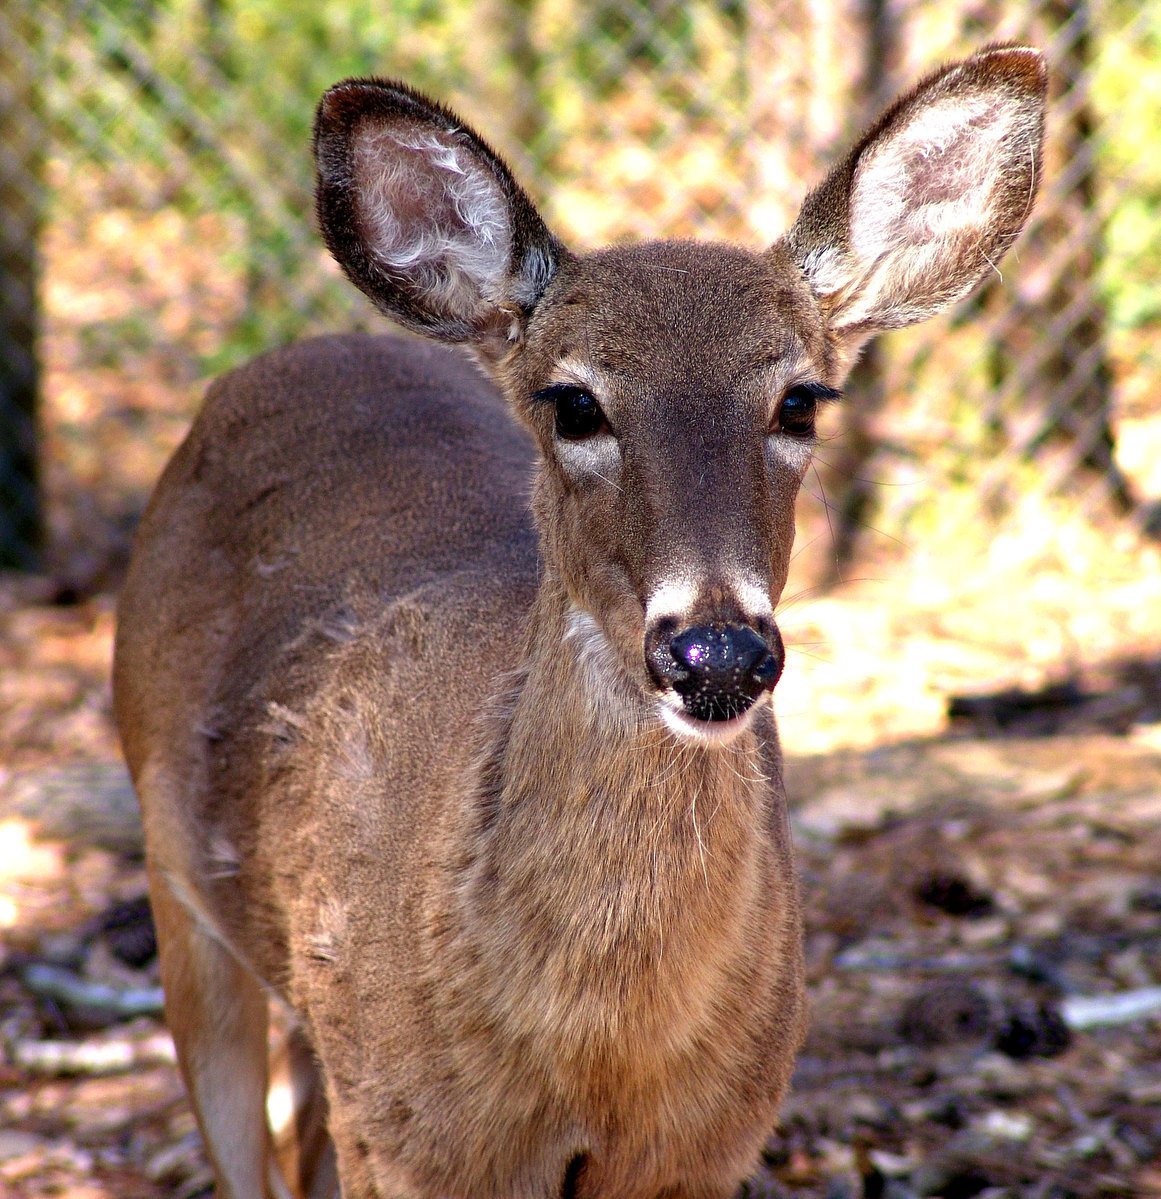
<point>303,1144</point>
<point>217,1015</point>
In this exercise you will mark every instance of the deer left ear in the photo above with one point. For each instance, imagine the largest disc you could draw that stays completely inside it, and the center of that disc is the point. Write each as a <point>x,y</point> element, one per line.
<point>930,198</point>
<point>425,218</point>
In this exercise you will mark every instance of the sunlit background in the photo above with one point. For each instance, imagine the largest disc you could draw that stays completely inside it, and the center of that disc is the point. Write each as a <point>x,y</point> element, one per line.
<point>983,520</point>
<point>156,153</point>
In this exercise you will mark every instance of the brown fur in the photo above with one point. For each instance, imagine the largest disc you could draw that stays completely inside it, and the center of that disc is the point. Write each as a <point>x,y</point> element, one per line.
<point>381,684</point>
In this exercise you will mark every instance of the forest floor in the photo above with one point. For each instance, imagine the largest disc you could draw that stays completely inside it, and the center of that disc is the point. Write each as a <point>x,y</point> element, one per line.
<point>978,905</point>
<point>973,735</point>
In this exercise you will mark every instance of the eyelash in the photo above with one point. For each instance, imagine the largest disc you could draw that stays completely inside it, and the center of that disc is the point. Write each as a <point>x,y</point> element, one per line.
<point>809,396</point>
<point>578,416</point>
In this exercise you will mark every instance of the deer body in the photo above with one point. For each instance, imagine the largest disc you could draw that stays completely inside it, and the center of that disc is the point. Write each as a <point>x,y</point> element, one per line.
<point>483,789</point>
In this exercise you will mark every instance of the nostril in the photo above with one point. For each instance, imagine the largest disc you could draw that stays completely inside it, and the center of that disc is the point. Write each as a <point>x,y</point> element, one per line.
<point>728,650</point>
<point>767,670</point>
<point>718,670</point>
<point>664,665</point>
<point>716,649</point>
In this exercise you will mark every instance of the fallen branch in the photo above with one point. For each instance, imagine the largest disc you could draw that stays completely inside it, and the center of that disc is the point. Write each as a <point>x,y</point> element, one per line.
<point>55,982</point>
<point>55,1059</point>
<point>1103,1011</point>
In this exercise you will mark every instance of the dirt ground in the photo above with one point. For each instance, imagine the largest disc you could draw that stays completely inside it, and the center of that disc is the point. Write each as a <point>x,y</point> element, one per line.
<point>968,899</point>
<point>974,740</point>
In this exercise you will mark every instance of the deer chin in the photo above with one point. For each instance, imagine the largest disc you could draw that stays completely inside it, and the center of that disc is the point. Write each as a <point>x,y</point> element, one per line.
<point>703,732</point>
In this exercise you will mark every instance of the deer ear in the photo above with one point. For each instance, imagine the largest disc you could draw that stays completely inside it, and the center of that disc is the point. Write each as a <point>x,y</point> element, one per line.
<point>424,218</point>
<point>930,198</point>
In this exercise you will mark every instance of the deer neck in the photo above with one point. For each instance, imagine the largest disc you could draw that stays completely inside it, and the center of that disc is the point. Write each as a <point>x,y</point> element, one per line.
<point>576,727</point>
<point>604,848</point>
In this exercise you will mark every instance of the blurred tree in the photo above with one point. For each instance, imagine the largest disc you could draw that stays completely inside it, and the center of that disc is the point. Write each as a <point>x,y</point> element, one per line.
<point>21,160</point>
<point>803,59</point>
<point>1052,383</point>
<point>514,88</point>
<point>847,481</point>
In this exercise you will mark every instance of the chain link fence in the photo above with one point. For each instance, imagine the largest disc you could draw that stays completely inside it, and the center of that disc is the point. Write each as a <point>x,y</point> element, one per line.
<point>155,193</point>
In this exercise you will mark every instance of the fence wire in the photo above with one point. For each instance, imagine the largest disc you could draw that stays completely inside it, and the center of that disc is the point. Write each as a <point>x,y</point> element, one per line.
<point>155,195</point>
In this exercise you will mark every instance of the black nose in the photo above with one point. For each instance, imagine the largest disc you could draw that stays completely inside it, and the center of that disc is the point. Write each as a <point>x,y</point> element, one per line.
<point>719,670</point>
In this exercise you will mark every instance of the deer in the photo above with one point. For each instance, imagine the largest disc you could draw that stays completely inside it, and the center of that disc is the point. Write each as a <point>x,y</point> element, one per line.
<point>445,679</point>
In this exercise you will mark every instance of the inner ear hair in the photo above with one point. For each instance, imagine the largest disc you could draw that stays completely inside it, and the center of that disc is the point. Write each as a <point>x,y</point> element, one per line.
<point>430,213</point>
<point>931,197</point>
<point>423,216</point>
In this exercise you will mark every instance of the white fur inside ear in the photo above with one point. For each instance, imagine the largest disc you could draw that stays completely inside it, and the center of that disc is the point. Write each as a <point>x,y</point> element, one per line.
<point>434,214</point>
<point>934,179</point>
<point>826,270</point>
<point>938,192</point>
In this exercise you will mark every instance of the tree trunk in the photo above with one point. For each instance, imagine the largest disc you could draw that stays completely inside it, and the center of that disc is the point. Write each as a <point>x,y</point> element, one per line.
<point>846,478</point>
<point>21,191</point>
<point>1054,389</point>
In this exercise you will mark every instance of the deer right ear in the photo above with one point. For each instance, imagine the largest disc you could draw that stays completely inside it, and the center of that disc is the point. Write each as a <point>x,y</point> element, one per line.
<point>929,199</point>
<point>425,218</point>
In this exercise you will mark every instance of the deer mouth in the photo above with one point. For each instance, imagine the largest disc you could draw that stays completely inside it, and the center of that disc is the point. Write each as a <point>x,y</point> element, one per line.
<point>719,730</point>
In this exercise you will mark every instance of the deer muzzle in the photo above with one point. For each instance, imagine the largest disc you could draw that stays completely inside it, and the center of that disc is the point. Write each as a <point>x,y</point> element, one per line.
<point>718,670</point>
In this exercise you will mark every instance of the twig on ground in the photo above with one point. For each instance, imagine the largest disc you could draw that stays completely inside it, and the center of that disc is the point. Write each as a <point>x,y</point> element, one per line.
<point>93,1057</point>
<point>65,986</point>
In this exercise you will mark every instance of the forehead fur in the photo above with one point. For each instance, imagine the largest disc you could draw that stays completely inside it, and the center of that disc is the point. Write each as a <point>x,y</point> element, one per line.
<point>678,307</point>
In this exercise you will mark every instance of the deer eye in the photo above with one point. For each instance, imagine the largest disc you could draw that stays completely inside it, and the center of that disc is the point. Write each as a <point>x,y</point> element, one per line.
<point>578,415</point>
<point>799,408</point>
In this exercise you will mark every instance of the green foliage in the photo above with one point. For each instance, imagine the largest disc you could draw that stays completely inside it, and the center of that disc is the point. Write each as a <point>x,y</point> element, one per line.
<point>1127,90</point>
<point>207,105</point>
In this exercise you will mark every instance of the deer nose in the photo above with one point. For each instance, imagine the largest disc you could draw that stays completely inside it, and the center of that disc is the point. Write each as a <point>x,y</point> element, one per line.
<point>719,670</point>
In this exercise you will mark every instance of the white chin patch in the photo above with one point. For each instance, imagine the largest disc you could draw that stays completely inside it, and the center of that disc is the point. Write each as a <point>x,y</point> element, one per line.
<point>705,732</point>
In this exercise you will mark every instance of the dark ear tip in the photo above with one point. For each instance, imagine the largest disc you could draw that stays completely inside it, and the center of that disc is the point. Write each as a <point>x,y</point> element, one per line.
<point>336,108</point>
<point>352,98</point>
<point>1025,66</point>
<point>343,101</point>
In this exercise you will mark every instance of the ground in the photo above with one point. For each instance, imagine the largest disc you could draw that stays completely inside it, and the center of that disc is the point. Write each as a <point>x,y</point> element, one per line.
<point>973,734</point>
